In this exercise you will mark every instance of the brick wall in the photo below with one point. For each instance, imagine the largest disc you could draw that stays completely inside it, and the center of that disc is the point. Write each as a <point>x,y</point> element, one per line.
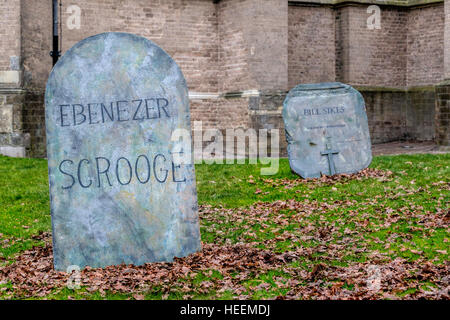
<point>386,112</point>
<point>442,120</point>
<point>396,114</point>
<point>375,57</point>
<point>420,113</point>
<point>406,51</point>
<point>186,30</point>
<point>341,44</point>
<point>409,46</point>
<point>34,123</point>
<point>9,33</point>
<point>311,49</point>
<point>13,137</point>
<point>36,43</point>
<point>221,112</point>
<point>447,40</point>
<point>234,66</point>
<point>231,47</point>
<point>253,44</point>
<point>266,23</point>
<point>425,58</point>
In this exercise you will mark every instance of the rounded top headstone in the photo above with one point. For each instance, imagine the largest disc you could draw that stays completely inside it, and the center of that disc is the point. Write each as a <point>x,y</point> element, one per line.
<point>112,67</point>
<point>118,195</point>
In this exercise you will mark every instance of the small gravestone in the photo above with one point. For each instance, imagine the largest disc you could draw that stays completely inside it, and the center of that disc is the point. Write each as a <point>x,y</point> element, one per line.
<point>326,130</point>
<point>118,189</point>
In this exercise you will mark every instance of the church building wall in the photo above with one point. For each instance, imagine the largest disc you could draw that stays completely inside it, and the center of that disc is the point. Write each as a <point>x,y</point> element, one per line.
<point>312,45</point>
<point>240,57</point>
<point>425,54</point>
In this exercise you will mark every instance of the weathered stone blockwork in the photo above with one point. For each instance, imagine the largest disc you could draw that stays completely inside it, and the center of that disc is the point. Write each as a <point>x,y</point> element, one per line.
<point>240,57</point>
<point>396,114</point>
<point>13,138</point>
<point>9,34</point>
<point>311,46</point>
<point>442,119</point>
<point>447,40</point>
<point>233,51</point>
<point>372,57</point>
<point>420,113</point>
<point>425,54</point>
<point>443,115</point>
<point>387,63</point>
<point>34,122</point>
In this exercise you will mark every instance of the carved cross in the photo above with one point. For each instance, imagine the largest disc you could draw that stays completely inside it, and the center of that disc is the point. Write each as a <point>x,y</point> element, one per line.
<point>329,152</point>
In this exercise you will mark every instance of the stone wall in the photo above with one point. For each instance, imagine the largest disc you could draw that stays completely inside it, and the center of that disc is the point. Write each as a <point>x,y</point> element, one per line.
<point>240,57</point>
<point>34,123</point>
<point>311,46</point>
<point>425,55</point>
<point>393,66</point>
<point>234,66</point>
<point>266,25</point>
<point>37,43</point>
<point>13,137</point>
<point>420,113</point>
<point>443,115</point>
<point>373,57</point>
<point>397,114</point>
<point>186,30</point>
<point>9,35</point>
<point>442,119</point>
<point>406,51</point>
<point>447,40</point>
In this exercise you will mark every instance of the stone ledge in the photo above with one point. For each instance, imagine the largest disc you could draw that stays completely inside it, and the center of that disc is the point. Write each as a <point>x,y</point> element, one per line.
<point>10,78</point>
<point>397,3</point>
<point>11,90</point>
<point>193,95</point>
<point>443,83</point>
<point>445,149</point>
<point>424,88</point>
<point>267,93</point>
<point>15,152</point>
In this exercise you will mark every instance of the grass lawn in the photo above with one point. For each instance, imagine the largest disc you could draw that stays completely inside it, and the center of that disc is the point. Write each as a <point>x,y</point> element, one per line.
<point>383,233</point>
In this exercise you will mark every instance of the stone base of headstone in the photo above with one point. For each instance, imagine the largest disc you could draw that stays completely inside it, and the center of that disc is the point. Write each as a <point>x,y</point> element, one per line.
<point>442,116</point>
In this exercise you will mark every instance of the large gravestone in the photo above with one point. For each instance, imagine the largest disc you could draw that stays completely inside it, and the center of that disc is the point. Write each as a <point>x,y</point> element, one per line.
<point>326,130</point>
<point>118,189</point>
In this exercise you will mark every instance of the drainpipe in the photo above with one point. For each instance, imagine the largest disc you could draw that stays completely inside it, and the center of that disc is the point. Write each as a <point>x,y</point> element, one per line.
<point>55,53</point>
